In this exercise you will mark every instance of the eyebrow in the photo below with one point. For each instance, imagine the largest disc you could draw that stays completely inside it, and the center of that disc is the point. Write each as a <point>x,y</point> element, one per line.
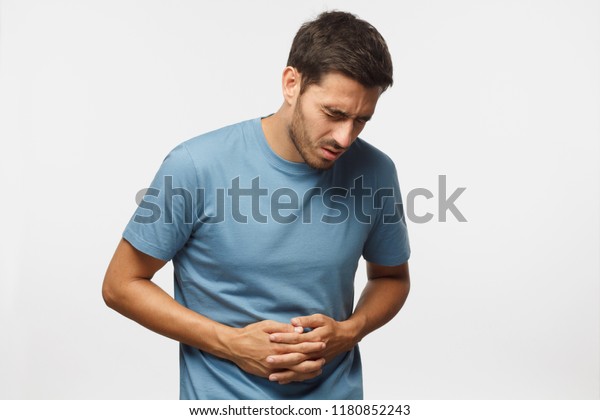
<point>339,113</point>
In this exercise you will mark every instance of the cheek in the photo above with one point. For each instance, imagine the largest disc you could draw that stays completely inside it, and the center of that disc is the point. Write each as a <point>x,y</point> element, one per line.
<point>321,130</point>
<point>313,131</point>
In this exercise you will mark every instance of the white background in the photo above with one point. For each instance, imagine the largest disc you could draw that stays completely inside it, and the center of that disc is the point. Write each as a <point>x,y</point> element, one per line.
<point>503,97</point>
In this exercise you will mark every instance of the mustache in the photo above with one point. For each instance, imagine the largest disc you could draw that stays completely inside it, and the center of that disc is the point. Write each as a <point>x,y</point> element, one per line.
<point>333,145</point>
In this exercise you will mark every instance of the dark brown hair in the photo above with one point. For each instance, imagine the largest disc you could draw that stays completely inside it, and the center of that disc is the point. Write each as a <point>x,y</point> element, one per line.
<point>339,41</point>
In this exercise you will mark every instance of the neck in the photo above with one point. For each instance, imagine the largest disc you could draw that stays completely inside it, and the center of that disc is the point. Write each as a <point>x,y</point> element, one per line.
<point>276,132</point>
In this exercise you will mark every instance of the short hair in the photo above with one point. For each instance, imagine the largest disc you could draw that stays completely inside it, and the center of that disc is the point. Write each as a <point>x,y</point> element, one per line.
<point>341,42</point>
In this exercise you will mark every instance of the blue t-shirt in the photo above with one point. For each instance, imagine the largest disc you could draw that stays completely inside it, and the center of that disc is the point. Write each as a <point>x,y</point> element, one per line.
<point>253,236</point>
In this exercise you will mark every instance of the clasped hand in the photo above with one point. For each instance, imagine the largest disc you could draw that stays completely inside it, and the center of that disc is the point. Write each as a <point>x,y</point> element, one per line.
<point>284,353</point>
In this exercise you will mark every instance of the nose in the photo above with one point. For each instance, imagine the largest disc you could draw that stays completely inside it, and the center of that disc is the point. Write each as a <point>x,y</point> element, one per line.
<point>344,133</point>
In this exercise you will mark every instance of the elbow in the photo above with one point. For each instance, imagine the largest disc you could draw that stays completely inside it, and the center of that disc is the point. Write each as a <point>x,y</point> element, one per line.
<point>108,293</point>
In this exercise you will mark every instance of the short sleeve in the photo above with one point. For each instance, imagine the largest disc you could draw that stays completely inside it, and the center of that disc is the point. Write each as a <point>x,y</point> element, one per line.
<point>387,242</point>
<point>167,213</point>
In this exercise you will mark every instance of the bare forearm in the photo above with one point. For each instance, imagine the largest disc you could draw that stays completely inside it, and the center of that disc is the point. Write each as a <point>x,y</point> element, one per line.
<point>146,303</point>
<point>128,289</point>
<point>380,301</point>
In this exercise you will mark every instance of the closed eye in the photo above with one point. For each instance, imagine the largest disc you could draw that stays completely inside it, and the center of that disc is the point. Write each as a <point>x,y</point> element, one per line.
<point>335,116</point>
<point>338,115</point>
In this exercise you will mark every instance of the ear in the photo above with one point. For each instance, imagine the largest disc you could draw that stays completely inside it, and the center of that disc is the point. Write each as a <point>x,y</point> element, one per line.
<point>290,85</point>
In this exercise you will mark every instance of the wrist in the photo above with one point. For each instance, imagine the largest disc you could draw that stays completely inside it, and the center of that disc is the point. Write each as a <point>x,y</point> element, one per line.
<point>223,345</point>
<point>354,328</point>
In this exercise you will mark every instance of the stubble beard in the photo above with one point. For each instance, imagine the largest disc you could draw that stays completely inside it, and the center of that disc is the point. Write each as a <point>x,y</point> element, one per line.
<point>301,140</point>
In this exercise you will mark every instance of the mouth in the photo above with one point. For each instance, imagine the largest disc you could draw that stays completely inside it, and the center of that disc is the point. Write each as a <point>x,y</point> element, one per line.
<point>330,154</point>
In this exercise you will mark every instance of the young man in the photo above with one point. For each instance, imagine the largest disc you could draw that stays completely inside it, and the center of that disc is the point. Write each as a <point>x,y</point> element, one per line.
<point>265,222</point>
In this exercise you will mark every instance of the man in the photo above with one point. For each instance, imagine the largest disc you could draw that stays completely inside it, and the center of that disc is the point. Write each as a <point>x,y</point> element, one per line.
<point>265,222</point>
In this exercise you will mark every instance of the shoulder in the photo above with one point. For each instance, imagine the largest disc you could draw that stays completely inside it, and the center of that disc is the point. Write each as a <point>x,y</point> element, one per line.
<point>205,152</point>
<point>219,140</point>
<point>229,133</point>
<point>214,147</point>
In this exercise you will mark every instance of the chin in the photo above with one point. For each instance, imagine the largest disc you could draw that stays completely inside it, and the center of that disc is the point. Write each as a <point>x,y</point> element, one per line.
<point>321,164</point>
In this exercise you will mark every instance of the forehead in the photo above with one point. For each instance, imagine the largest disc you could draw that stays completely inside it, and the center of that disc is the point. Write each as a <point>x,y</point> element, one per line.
<point>342,92</point>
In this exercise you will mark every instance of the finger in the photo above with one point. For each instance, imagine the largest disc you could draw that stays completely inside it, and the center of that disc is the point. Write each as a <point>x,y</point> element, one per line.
<point>286,360</point>
<point>288,376</point>
<point>299,377</point>
<point>270,326</point>
<point>308,366</point>
<point>309,347</point>
<point>305,370</point>
<point>305,348</point>
<point>293,338</point>
<point>286,338</point>
<point>310,321</point>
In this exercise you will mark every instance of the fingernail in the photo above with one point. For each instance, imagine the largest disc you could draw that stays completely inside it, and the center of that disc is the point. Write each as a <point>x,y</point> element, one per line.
<point>298,329</point>
<point>273,378</point>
